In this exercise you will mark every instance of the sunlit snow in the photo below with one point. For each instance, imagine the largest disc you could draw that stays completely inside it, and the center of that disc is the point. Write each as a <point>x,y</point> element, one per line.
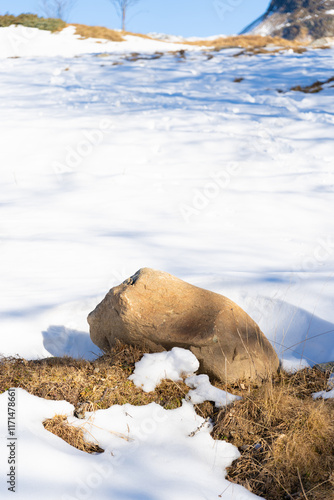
<point>202,164</point>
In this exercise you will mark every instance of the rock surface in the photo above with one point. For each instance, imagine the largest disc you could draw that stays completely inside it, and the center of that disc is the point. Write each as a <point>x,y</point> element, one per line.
<point>325,367</point>
<point>304,20</point>
<point>157,311</point>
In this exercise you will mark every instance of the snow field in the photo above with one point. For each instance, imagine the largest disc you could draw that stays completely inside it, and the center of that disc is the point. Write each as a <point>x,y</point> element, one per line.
<point>113,163</point>
<point>107,152</point>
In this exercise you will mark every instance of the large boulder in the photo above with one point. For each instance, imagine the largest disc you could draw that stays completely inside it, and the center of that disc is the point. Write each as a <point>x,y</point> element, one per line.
<point>155,311</point>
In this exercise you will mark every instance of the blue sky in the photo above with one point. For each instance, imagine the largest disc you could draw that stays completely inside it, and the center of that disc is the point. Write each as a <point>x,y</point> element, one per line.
<point>177,17</point>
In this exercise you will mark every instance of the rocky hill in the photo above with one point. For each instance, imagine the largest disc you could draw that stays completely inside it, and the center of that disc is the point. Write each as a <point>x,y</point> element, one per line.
<point>296,19</point>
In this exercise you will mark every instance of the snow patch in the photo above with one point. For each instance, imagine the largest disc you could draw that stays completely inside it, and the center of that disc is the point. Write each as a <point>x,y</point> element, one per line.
<point>326,394</point>
<point>172,365</point>
<point>292,365</point>
<point>62,341</point>
<point>150,453</point>
<point>202,390</point>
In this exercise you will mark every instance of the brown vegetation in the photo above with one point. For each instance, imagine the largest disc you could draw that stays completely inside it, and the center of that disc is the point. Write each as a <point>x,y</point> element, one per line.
<point>97,32</point>
<point>103,33</point>
<point>286,439</point>
<point>101,383</point>
<point>74,436</point>
<point>248,42</point>
<point>32,21</point>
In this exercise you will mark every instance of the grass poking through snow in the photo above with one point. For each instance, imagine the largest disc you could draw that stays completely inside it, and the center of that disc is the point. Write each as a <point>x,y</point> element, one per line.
<point>286,439</point>
<point>250,42</point>
<point>74,436</point>
<point>98,32</point>
<point>101,383</point>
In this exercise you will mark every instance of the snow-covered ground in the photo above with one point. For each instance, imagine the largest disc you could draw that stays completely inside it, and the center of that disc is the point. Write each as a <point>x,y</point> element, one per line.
<point>111,162</point>
<point>18,41</point>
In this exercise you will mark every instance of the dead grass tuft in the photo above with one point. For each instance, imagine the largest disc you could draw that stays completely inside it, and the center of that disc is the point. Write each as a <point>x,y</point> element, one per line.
<point>74,436</point>
<point>86,31</point>
<point>98,32</point>
<point>101,383</point>
<point>286,439</point>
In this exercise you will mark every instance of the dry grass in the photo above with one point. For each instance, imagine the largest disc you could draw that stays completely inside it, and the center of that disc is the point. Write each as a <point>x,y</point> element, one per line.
<point>97,32</point>
<point>86,31</point>
<point>250,42</point>
<point>100,383</point>
<point>285,438</point>
<point>89,386</point>
<point>74,436</point>
<point>32,21</point>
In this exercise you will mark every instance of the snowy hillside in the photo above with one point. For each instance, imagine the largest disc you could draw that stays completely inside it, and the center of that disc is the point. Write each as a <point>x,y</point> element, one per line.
<point>117,156</point>
<point>113,163</point>
<point>20,41</point>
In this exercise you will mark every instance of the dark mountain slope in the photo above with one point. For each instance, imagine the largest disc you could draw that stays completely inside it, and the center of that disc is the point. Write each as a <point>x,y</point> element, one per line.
<point>296,19</point>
